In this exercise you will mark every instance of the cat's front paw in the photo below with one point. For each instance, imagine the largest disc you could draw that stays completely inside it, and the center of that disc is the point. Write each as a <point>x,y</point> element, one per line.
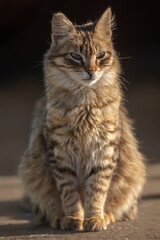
<point>55,219</point>
<point>109,217</point>
<point>94,224</point>
<point>71,223</point>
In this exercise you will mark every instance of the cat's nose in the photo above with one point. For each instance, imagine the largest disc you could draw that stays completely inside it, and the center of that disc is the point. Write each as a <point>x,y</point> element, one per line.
<point>90,72</point>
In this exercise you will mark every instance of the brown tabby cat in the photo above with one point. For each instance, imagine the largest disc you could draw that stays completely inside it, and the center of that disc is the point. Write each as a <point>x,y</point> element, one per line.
<point>82,168</point>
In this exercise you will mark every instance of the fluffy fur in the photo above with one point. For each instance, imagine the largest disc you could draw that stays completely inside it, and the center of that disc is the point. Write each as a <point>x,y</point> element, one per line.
<point>82,168</point>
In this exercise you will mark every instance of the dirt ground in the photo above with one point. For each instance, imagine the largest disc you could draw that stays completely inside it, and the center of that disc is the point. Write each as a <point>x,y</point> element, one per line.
<point>16,106</point>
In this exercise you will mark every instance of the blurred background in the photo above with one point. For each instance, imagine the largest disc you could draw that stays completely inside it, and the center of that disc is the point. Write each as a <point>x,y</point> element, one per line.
<point>25,37</point>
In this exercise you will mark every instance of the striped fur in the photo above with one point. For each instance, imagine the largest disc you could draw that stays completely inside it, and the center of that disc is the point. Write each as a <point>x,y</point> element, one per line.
<point>82,169</point>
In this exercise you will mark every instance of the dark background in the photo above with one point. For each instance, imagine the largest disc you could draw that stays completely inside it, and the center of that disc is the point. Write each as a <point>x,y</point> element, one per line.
<point>25,37</point>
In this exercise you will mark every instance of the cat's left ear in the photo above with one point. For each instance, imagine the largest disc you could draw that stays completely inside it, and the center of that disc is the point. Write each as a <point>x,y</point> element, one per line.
<point>104,24</point>
<point>61,27</point>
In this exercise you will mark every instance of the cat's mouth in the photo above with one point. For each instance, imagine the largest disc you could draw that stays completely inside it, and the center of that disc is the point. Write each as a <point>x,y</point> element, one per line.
<point>92,79</point>
<point>84,78</point>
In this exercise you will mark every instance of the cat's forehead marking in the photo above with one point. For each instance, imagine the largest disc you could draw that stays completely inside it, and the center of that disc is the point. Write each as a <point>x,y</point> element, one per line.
<point>86,44</point>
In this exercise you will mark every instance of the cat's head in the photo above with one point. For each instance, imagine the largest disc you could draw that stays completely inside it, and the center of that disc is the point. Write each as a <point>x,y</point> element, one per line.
<point>81,53</point>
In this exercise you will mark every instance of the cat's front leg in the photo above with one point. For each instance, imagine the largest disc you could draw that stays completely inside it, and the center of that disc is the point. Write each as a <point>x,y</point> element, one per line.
<point>66,181</point>
<point>97,184</point>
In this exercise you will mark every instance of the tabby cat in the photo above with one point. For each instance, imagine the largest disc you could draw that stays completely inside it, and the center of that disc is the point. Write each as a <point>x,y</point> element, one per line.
<point>82,168</point>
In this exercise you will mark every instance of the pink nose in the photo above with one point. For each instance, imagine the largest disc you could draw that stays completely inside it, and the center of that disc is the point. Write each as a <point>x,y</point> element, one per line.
<point>90,72</point>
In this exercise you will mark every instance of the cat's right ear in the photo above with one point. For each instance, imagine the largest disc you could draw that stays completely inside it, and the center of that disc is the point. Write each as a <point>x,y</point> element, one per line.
<point>61,27</point>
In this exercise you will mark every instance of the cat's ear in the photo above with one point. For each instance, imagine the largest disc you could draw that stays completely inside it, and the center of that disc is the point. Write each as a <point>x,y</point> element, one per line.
<point>104,24</point>
<point>61,27</point>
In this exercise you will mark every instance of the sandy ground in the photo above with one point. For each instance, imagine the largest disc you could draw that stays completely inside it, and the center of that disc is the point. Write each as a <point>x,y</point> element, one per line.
<point>16,106</point>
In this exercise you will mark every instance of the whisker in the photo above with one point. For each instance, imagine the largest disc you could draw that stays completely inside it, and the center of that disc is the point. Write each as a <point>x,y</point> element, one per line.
<point>48,43</point>
<point>123,58</point>
<point>50,61</point>
<point>125,80</point>
<point>37,65</point>
<point>123,84</point>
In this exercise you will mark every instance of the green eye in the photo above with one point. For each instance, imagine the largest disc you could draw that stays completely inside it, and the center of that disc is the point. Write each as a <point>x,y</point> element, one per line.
<point>100,55</point>
<point>76,56</point>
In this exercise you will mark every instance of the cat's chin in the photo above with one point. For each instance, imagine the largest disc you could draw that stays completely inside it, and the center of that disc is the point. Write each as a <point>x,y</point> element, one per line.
<point>86,82</point>
<point>90,82</point>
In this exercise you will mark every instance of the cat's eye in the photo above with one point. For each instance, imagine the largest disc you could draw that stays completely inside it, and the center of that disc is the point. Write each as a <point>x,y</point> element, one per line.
<point>100,55</point>
<point>76,56</point>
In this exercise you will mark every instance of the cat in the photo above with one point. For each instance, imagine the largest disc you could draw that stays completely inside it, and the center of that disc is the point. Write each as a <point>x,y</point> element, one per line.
<point>82,169</point>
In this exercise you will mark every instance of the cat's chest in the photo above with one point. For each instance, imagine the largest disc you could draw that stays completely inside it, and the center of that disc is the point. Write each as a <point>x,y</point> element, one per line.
<point>85,120</point>
<point>80,137</point>
<point>82,129</point>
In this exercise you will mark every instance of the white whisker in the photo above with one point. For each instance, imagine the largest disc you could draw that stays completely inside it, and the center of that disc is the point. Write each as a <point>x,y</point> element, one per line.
<point>37,65</point>
<point>123,58</point>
